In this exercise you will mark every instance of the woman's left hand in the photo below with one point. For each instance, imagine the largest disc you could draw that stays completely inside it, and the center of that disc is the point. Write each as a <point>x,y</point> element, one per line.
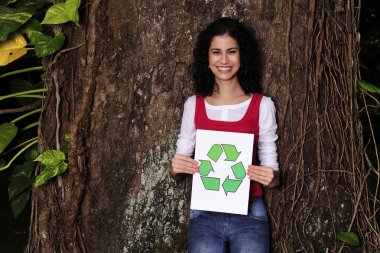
<point>263,175</point>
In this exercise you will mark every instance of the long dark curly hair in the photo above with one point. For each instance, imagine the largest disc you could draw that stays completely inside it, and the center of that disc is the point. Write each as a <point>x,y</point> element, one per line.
<point>249,74</point>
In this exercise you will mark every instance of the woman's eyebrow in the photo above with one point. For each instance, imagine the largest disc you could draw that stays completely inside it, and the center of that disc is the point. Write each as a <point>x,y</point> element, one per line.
<point>232,48</point>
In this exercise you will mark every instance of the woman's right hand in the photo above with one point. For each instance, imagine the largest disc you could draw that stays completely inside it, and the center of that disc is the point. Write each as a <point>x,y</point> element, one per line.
<point>183,165</point>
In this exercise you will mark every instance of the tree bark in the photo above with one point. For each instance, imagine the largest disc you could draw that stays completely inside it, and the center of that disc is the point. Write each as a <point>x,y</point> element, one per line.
<point>120,89</point>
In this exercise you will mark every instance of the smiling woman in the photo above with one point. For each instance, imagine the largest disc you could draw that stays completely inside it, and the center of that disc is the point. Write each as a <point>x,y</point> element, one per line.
<point>224,42</point>
<point>224,58</point>
<point>227,102</point>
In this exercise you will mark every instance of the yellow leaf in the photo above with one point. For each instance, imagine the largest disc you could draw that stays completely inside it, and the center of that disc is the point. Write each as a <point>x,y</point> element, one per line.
<point>12,49</point>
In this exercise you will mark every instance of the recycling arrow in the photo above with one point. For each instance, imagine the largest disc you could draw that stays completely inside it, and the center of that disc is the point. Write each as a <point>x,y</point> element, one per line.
<point>215,152</point>
<point>231,185</point>
<point>238,170</point>
<point>205,167</point>
<point>211,183</point>
<point>231,152</point>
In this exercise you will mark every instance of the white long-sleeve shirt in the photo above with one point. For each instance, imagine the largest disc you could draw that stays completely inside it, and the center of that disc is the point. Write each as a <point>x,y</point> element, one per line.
<point>267,149</point>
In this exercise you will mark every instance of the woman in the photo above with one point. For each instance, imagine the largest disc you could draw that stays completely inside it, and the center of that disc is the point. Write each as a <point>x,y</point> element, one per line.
<point>226,72</point>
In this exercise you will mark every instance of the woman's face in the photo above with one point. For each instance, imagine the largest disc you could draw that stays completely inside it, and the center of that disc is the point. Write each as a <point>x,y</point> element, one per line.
<point>224,58</point>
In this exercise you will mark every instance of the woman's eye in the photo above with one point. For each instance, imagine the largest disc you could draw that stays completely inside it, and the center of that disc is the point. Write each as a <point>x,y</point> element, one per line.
<point>215,52</point>
<point>232,51</point>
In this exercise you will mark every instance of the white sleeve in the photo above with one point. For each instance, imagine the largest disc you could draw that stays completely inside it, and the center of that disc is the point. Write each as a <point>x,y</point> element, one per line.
<point>267,149</point>
<point>186,137</point>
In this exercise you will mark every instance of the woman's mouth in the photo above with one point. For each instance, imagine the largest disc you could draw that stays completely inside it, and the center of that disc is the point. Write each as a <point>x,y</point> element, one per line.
<point>224,68</point>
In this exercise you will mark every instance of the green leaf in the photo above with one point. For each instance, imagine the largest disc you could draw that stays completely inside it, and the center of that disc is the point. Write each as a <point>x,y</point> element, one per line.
<point>56,14</point>
<point>32,25</point>
<point>7,132</point>
<point>63,12</point>
<point>11,19</point>
<point>45,45</point>
<point>31,153</point>
<point>50,172</point>
<point>33,5</point>
<point>368,87</point>
<point>18,204</point>
<point>2,162</point>
<point>71,7</point>
<point>26,169</point>
<point>349,237</point>
<point>51,157</point>
<point>7,2</point>
<point>18,185</point>
<point>18,85</point>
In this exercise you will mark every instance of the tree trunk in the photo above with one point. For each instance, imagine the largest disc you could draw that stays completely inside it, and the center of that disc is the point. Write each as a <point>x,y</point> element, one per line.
<point>120,90</point>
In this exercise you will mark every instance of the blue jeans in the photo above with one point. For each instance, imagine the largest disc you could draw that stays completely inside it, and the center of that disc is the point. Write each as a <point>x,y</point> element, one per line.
<point>209,232</point>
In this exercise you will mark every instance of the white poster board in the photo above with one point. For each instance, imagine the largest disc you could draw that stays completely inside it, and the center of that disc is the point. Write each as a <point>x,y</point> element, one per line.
<point>222,184</point>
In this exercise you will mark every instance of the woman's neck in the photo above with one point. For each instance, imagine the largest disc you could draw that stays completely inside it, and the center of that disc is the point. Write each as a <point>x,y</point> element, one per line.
<point>227,89</point>
<point>227,93</point>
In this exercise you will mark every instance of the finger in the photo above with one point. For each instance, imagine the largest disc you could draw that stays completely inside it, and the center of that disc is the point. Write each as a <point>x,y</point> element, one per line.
<point>261,170</point>
<point>184,167</point>
<point>184,164</point>
<point>261,179</point>
<point>262,173</point>
<point>185,158</point>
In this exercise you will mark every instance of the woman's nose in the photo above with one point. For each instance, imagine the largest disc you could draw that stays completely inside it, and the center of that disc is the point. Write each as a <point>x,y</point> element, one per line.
<point>224,58</point>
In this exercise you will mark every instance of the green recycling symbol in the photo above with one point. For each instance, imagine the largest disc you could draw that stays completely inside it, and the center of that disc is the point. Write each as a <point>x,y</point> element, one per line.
<point>213,183</point>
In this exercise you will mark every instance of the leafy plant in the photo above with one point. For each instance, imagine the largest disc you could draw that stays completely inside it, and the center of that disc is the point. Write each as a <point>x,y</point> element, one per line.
<point>63,12</point>
<point>349,237</point>
<point>371,92</point>
<point>20,184</point>
<point>22,35</point>
<point>369,87</point>
<point>12,49</point>
<point>7,132</point>
<point>55,164</point>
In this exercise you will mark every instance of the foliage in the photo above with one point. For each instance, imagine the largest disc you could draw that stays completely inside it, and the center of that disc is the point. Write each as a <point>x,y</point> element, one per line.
<point>12,49</point>
<point>369,87</point>
<point>372,94</point>
<point>23,40</point>
<point>45,45</point>
<point>20,184</point>
<point>54,161</point>
<point>349,237</point>
<point>12,18</point>
<point>8,132</point>
<point>63,12</point>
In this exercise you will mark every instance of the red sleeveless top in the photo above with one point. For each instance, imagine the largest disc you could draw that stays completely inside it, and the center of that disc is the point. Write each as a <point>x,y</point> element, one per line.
<point>248,124</point>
